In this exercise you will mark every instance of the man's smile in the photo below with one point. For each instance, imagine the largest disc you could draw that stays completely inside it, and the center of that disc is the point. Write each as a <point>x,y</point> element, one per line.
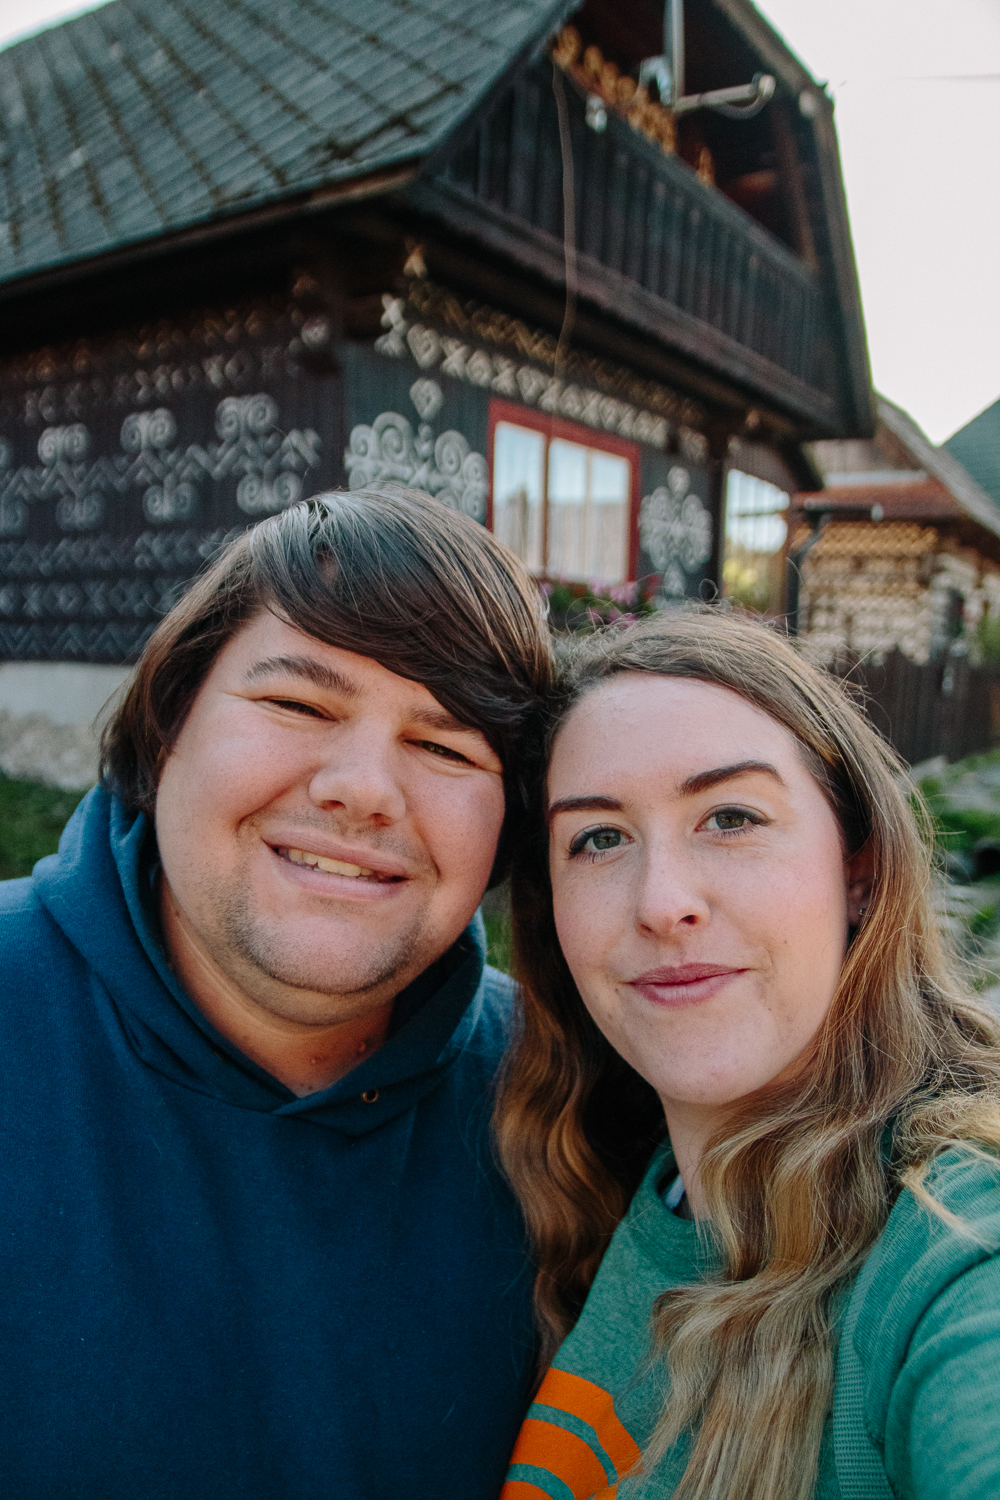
<point>334,866</point>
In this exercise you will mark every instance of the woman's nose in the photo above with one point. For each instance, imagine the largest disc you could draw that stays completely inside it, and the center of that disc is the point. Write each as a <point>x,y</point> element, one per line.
<point>670,895</point>
<point>360,775</point>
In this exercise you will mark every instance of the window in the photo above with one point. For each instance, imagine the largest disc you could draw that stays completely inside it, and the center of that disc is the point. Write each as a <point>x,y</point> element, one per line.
<point>753,572</point>
<point>562,496</point>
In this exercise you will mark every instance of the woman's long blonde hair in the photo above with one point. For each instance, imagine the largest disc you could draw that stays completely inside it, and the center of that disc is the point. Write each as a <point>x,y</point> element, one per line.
<point>799,1186</point>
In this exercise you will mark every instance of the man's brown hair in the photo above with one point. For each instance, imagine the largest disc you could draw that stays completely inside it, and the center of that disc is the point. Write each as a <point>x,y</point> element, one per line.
<point>389,574</point>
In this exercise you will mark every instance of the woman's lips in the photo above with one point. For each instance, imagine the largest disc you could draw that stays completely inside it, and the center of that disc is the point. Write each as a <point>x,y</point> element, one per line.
<point>684,984</point>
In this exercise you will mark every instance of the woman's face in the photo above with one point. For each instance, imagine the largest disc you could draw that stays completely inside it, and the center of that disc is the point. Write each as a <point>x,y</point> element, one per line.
<point>701,893</point>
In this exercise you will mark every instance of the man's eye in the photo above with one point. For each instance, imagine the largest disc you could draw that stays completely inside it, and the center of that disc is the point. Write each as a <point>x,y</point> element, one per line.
<point>731,820</point>
<point>445,752</point>
<point>296,707</point>
<point>595,841</point>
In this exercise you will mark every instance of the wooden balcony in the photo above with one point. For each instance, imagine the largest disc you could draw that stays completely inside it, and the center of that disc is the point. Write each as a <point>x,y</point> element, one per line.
<point>657,247</point>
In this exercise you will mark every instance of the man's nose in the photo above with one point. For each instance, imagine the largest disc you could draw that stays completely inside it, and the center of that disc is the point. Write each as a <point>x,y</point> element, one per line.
<point>671,893</point>
<point>360,776</point>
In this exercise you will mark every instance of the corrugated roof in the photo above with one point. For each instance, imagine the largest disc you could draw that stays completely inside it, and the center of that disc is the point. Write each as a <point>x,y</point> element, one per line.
<point>977,448</point>
<point>148,116</point>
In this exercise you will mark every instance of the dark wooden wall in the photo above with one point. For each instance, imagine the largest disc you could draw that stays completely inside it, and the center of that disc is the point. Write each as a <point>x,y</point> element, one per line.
<point>128,458</point>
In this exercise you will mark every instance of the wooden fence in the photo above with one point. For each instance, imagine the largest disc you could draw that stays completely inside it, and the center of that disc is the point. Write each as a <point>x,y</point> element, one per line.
<point>947,707</point>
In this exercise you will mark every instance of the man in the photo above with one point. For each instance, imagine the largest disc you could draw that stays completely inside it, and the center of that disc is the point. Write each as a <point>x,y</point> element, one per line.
<point>254,1241</point>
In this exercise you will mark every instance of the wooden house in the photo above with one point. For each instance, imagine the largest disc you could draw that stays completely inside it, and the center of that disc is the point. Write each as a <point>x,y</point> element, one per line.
<point>899,551</point>
<point>523,255</point>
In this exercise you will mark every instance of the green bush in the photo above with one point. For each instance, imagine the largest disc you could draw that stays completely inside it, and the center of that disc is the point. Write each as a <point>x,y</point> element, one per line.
<point>31,819</point>
<point>959,829</point>
<point>988,637</point>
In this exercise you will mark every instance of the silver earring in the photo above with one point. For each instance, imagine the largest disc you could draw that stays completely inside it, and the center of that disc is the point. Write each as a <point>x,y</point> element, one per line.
<point>862,910</point>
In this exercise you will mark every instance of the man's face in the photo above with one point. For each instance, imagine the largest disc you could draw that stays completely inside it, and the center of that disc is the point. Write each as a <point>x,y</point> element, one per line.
<point>325,827</point>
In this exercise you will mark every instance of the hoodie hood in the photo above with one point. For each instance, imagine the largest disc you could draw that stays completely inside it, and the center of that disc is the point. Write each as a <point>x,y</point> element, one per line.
<point>99,889</point>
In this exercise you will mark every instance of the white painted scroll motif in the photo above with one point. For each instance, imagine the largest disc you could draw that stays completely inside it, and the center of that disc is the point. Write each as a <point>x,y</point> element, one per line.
<point>444,466</point>
<point>268,464</point>
<point>675,531</point>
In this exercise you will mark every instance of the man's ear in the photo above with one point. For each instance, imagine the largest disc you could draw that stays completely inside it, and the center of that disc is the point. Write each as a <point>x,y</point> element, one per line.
<point>859,874</point>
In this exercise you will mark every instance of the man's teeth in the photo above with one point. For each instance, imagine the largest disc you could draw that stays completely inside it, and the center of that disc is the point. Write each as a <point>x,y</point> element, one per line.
<point>332,866</point>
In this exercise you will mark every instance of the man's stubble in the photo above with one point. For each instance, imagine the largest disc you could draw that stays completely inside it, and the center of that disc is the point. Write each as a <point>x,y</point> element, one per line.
<point>265,947</point>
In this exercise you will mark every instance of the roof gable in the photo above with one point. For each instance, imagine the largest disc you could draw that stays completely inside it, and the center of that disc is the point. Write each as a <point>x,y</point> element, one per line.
<point>148,116</point>
<point>939,486</point>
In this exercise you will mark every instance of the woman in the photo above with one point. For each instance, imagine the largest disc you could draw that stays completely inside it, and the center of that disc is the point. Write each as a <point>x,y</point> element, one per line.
<point>728,927</point>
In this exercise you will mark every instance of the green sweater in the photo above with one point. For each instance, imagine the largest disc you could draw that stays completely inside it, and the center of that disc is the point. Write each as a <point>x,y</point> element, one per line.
<point>924,1356</point>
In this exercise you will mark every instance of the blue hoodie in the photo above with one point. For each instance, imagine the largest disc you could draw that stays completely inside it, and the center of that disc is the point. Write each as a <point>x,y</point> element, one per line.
<point>210,1288</point>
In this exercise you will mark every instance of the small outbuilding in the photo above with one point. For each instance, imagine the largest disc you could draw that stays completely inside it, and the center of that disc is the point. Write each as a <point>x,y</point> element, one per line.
<point>899,551</point>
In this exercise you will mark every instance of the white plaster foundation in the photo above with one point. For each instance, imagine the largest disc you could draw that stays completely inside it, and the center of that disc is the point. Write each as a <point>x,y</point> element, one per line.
<point>51,715</point>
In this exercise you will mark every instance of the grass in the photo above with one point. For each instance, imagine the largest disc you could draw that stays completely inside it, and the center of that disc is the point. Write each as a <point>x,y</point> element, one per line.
<point>31,819</point>
<point>498,941</point>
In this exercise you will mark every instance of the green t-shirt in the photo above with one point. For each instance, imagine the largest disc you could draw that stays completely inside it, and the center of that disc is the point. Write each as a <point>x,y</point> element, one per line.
<point>926,1340</point>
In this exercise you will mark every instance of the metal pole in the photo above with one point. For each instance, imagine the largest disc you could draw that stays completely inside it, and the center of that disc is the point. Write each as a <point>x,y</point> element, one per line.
<point>673,44</point>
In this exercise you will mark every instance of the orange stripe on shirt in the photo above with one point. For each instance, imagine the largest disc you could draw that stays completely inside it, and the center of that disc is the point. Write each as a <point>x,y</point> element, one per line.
<point>592,1404</point>
<point>561,1453</point>
<point>520,1489</point>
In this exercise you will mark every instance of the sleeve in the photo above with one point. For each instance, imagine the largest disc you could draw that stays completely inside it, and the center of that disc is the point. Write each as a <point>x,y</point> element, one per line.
<point>942,1434</point>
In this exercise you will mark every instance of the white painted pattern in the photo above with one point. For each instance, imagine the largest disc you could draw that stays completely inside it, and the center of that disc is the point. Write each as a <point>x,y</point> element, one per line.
<point>269,467</point>
<point>675,530</point>
<point>519,382</point>
<point>445,466</point>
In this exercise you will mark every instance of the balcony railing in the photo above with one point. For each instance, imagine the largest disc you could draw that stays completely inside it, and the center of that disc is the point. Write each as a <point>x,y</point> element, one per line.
<point>700,272</point>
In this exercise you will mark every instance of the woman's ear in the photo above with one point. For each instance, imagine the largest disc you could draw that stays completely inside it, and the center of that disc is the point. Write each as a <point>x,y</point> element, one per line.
<point>859,874</point>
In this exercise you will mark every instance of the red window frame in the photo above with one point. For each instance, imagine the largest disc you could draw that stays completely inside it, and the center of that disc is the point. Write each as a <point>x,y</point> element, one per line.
<point>571,432</point>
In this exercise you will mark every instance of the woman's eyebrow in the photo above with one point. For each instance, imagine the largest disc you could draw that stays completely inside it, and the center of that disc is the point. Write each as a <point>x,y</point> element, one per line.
<point>584,804</point>
<point>703,781</point>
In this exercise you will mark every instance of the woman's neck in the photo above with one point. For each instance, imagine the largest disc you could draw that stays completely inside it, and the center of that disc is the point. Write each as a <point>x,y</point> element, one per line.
<point>691,1127</point>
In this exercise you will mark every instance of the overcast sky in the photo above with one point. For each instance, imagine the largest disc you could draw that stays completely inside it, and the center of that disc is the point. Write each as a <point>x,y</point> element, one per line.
<point>917,90</point>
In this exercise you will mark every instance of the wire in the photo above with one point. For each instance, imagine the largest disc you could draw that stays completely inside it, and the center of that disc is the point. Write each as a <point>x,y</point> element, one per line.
<point>569,216</point>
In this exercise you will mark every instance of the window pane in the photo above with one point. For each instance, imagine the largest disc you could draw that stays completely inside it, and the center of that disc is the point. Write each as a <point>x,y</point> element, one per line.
<point>756,533</point>
<point>518,471</point>
<point>588,512</point>
<point>611,486</point>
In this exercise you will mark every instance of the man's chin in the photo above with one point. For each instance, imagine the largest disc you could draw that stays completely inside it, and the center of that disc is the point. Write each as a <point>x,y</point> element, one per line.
<point>337,975</point>
<point>337,964</point>
<point>331,956</point>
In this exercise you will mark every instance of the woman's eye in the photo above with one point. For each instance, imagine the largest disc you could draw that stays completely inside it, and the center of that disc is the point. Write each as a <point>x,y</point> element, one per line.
<point>597,841</point>
<point>731,820</point>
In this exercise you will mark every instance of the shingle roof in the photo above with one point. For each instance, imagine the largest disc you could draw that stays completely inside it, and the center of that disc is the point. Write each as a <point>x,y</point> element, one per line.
<point>940,464</point>
<point>977,447</point>
<point>920,499</point>
<point>147,116</point>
